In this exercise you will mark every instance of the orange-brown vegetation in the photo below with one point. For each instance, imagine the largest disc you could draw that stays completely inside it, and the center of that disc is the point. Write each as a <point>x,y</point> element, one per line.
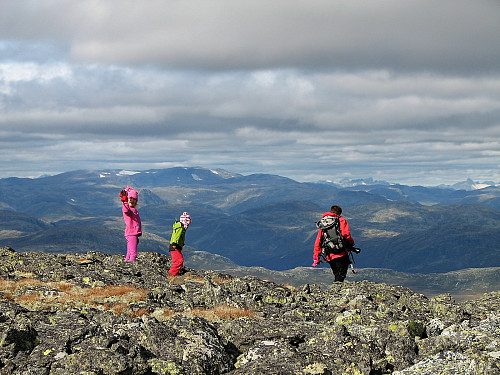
<point>222,312</point>
<point>38,295</point>
<point>120,299</point>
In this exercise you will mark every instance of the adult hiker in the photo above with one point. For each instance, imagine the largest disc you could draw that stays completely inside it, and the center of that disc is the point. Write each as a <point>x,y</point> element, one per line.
<point>333,244</point>
<point>177,242</point>
<point>133,227</point>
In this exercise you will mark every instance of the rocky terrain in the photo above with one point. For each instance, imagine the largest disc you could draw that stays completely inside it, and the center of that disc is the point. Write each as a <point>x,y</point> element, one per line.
<point>96,314</point>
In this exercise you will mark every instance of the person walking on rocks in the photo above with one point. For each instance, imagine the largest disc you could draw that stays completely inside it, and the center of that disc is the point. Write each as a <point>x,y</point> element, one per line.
<point>331,242</point>
<point>133,227</point>
<point>179,229</point>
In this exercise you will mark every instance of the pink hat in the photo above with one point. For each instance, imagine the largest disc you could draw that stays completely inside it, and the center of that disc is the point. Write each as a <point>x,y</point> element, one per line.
<point>132,193</point>
<point>185,219</point>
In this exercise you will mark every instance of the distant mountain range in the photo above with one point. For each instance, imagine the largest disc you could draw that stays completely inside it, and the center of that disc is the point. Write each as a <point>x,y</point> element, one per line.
<point>467,185</point>
<point>257,220</point>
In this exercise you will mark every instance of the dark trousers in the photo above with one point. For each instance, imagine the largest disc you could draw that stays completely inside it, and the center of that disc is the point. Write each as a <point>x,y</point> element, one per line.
<point>339,267</point>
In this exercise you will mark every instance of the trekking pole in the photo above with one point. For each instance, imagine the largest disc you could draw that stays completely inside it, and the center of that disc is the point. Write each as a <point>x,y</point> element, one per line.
<point>323,256</point>
<point>354,270</point>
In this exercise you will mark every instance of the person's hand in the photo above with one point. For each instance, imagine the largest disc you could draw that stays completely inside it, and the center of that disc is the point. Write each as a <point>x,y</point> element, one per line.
<point>316,262</point>
<point>123,195</point>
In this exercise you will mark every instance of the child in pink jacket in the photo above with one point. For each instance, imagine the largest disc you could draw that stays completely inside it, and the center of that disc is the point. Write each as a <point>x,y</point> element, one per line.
<point>133,228</point>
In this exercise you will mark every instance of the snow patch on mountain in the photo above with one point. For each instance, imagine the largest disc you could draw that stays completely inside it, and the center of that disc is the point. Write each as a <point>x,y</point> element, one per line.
<point>124,172</point>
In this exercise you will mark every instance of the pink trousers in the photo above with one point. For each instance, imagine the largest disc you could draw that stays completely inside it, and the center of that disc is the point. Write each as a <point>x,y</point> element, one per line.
<point>132,242</point>
<point>177,262</point>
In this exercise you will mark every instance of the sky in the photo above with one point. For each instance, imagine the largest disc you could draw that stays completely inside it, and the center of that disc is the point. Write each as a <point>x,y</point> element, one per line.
<point>404,91</point>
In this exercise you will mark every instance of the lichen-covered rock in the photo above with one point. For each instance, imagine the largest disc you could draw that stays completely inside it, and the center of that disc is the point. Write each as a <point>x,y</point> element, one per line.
<point>104,343</point>
<point>205,322</point>
<point>447,363</point>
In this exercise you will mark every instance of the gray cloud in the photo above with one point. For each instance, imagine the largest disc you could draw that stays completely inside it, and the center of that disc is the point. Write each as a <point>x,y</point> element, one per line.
<point>449,35</point>
<point>403,91</point>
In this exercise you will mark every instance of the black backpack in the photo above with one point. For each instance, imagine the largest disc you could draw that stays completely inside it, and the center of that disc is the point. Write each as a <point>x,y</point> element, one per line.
<point>332,241</point>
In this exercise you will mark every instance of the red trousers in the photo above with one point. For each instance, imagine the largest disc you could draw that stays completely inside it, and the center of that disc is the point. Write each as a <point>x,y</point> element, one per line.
<point>177,262</point>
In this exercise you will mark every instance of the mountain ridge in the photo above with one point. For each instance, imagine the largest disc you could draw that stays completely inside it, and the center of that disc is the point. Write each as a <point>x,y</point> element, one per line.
<point>259,220</point>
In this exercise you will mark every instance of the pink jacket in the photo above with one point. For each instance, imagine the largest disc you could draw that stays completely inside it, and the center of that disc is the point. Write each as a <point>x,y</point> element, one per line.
<point>132,220</point>
<point>344,230</point>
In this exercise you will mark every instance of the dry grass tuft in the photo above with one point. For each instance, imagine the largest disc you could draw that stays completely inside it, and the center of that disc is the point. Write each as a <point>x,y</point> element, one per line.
<point>175,279</point>
<point>5,284</point>
<point>38,295</point>
<point>26,299</point>
<point>222,312</point>
<point>194,278</point>
<point>29,281</point>
<point>164,313</point>
<point>138,313</point>
<point>220,280</point>
<point>83,260</point>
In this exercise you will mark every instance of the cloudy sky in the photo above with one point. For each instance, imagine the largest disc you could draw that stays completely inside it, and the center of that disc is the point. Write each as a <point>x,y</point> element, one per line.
<point>401,90</point>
